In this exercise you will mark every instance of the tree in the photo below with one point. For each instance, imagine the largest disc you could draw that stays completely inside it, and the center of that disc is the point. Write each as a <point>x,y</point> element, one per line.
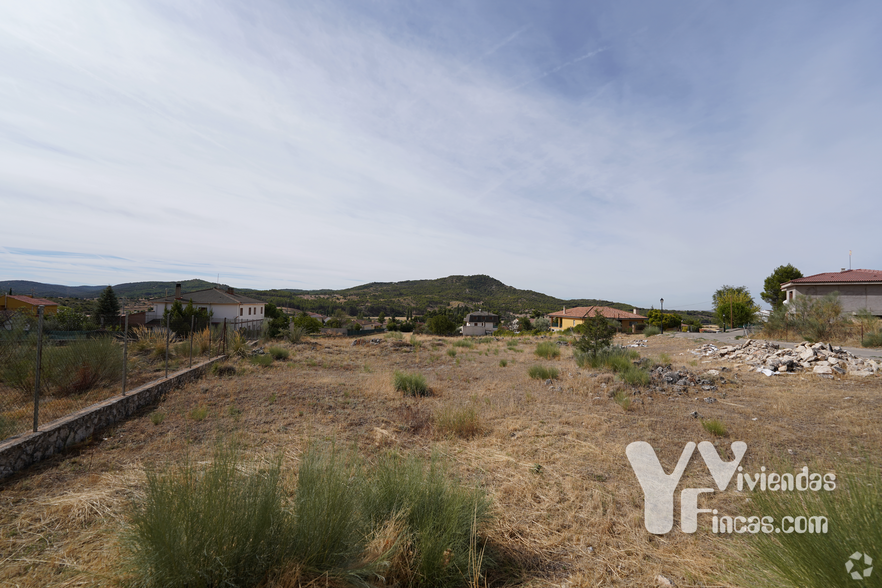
<point>663,319</point>
<point>68,319</point>
<point>542,324</point>
<point>440,324</point>
<point>772,292</point>
<point>524,324</point>
<point>278,320</point>
<point>182,317</point>
<point>734,306</point>
<point>382,317</point>
<point>307,323</point>
<point>597,334</point>
<point>107,309</point>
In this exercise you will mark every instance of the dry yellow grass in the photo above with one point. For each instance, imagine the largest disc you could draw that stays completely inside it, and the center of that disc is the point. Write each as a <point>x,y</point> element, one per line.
<point>568,506</point>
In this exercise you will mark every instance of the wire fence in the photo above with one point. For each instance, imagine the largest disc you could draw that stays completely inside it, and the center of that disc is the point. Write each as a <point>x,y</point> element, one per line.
<point>46,375</point>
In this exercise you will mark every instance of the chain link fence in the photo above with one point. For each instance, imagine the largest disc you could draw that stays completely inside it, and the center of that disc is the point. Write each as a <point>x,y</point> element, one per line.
<point>46,375</point>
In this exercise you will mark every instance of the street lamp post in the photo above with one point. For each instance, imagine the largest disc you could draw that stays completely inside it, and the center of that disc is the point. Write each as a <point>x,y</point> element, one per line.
<point>662,319</point>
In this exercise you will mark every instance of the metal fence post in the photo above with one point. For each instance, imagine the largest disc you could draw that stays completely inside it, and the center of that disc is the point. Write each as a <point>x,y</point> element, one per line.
<point>167,337</point>
<point>125,353</point>
<point>37,367</point>
<point>209,339</point>
<point>192,322</point>
<point>225,336</point>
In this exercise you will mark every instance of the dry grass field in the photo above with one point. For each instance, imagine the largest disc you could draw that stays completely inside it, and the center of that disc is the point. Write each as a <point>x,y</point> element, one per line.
<point>568,507</point>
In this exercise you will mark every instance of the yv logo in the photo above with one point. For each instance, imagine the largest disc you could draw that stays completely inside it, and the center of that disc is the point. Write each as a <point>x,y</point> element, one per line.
<point>658,487</point>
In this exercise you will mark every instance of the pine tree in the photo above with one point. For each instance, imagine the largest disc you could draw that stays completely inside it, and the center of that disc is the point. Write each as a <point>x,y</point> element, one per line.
<point>107,310</point>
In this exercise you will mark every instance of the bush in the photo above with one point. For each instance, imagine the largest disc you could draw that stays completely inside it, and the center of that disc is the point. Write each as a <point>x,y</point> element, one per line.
<point>440,324</point>
<point>542,324</point>
<point>503,363</point>
<point>634,375</point>
<point>872,340</point>
<point>813,319</point>
<point>237,345</point>
<point>548,350</point>
<point>464,343</point>
<point>410,384</point>
<point>540,372</point>
<point>651,330</point>
<point>279,353</point>
<point>606,358</point>
<point>65,369</point>
<point>815,560</point>
<point>220,525</point>
<point>462,422</point>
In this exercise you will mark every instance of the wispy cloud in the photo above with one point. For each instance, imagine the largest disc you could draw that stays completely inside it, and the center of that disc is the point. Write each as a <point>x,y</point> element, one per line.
<point>325,145</point>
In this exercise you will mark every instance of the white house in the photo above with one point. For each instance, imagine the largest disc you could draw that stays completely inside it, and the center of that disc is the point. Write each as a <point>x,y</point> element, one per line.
<point>480,323</point>
<point>221,304</point>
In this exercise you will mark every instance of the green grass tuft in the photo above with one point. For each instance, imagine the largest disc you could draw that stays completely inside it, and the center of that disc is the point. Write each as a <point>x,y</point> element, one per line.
<point>410,384</point>
<point>715,427</point>
<point>503,362</point>
<point>279,353</point>
<point>548,350</point>
<point>461,422</point>
<point>540,372</point>
<point>262,360</point>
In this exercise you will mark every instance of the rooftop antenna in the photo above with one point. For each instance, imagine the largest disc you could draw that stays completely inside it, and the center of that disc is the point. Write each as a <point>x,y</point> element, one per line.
<point>849,259</point>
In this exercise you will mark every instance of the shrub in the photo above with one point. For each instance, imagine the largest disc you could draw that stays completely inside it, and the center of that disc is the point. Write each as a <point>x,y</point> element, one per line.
<point>540,372</point>
<point>634,375</point>
<point>597,333</point>
<point>651,330</point>
<point>464,343</point>
<point>213,526</point>
<point>440,324</point>
<point>65,369</point>
<point>279,353</point>
<point>410,384</point>
<point>548,350</point>
<point>462,422</point>
<point>157,417</point>
<point>261,360</point>
<point>237,345</point>
<point>715,427</point>
<point>503,363</point>
<point>295,334</point>
<point>872,340</point>
<point>437,516</point>
<point>451,352</point>
<point>815,560</point>
<point>542,324</point>
<point>221,370</point>
<point>199,413</point>
<point>606,358</point>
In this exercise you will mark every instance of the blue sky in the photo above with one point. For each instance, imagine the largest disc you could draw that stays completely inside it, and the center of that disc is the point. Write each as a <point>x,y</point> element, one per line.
<point>618,150</point>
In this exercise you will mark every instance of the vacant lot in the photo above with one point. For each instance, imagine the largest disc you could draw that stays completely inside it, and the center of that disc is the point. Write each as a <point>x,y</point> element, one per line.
<point>568,507</point>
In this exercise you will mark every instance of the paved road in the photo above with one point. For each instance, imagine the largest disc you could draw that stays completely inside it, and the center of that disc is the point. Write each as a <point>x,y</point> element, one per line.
<point>728,338</point>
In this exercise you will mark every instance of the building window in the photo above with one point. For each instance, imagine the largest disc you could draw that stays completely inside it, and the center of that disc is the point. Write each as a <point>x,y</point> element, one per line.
<point>249,311</point>
<point>261,310</point>
<point>241,310</point>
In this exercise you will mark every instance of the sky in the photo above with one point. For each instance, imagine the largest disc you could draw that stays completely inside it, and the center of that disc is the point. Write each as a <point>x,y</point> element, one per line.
<point>627,151</point>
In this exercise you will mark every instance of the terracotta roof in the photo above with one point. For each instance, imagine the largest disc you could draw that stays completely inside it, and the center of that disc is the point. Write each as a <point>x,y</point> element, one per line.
<point>579,312</point>
<point>210,296</point>
<point>858,275</point>
<point>34,301</point>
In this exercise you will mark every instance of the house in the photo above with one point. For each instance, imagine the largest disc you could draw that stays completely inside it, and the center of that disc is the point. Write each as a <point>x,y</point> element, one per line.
<point>573,317</point>
<point>27,304</point>
<point>857,289</point>
<point>221,304</point>
<point>480,323</point>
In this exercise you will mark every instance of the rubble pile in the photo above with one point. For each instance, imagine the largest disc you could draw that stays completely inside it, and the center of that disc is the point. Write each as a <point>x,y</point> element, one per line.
<point>769,358</point>
<point>680,381</point>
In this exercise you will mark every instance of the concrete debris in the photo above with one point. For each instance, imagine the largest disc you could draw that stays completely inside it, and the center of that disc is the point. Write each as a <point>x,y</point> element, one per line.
<point>637,343</point>
<point>770,359</point>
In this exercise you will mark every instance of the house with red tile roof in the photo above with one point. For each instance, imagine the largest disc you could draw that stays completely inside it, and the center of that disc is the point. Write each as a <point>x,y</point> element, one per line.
<point>27,304</point>
<point>569,318</point>
<point>860,288</point>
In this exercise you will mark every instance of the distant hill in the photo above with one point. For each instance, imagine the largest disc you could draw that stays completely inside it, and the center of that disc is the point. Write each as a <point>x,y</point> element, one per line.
<point>131,290</point>
<point>390,298</point>
<point>420,296</point>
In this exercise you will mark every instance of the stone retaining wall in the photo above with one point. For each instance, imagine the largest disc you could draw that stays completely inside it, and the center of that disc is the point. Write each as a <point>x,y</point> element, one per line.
<point>20,452</point>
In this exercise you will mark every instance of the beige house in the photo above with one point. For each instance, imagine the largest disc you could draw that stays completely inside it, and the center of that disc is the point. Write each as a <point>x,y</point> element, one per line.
<point>857,289</point>
<point>569,318</point>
